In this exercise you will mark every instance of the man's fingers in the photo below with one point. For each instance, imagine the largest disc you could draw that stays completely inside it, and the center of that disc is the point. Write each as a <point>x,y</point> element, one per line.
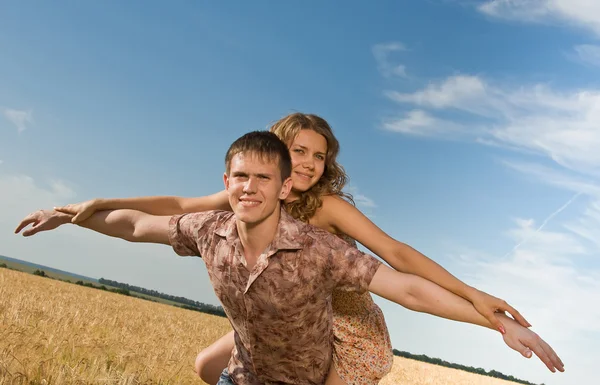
<point>554,358</point>
<point>31,231</point>
<point>520,347</point>
<point>24,223</point>
<point>548,356</point>
<point>544,357</point>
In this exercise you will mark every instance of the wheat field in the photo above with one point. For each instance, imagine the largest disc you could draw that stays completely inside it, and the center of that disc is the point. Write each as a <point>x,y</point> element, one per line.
<point>53,332</point>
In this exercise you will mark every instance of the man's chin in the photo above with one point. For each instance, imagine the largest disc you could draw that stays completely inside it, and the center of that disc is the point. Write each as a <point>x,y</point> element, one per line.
<point>245,218</point>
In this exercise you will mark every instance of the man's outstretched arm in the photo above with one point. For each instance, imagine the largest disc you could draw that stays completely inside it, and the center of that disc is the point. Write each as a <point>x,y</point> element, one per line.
<point>418,294</point>
<point>130,225</point>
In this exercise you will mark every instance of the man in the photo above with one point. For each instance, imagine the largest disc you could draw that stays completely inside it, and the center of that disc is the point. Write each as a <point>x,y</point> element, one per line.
<point>274,275</point>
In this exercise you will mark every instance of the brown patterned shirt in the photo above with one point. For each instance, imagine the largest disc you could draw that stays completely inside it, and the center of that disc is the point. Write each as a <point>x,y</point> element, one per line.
<point>281,310</point>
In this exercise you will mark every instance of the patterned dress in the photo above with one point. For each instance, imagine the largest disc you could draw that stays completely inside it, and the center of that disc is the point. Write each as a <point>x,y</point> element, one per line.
<point>362,347</point>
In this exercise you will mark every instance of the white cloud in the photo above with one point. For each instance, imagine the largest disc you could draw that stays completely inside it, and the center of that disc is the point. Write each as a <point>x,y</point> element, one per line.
<point>557,178</point>
<point>20,118</point>
<point>560,125</point>
<point>580,13</point>
<point>420,123</point>
<point>454,92</point>
<point>547,267</point>
<point>362,201</point>
<point>62,190</point>
<point>588,53</point>
<point>552,271</point>
<point>382,56</point>
<point>552,276</point>
<point>87,253</point>
<point>527,10</point>
<point>588,225</point>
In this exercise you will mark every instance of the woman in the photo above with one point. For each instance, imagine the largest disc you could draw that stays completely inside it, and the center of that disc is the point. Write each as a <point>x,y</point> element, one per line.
<point>363,352</point>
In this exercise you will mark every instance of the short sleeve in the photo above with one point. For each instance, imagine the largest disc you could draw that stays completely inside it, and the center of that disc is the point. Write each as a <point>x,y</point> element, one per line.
<point>187,231</point>
<point>351,269</point>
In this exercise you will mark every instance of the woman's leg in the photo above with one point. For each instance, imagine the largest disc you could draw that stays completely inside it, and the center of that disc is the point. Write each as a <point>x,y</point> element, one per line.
<point>211,361</point>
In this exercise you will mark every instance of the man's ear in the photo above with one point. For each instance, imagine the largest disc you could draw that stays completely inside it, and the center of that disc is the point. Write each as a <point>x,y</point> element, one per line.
<point>226,181</point>
<point>286,188</point>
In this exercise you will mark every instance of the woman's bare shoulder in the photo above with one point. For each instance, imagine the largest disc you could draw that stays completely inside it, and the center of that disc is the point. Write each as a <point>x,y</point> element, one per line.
<point>325,216</point>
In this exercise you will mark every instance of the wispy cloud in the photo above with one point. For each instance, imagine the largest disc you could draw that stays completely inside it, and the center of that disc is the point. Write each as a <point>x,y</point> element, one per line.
<point>526,10</point>
<point>454,92</point>
<point>588,225</point>
<point>557,178</point>
<point>362,201</point>
<point>382,53</point>
<point>420,123</point>
<point>579,13</point>
<point>84,252</point>
<point>20,118</point>
<point>561,125</point>
<point>547,266</point>
<point>588,53</point>
<point>544,223</point>
<point>62,190</point>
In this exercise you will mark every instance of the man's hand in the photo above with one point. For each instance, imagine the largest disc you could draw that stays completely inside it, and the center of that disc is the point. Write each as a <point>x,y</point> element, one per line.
<point>42,220</point>
<point>526,341</point>
<point>491,308</point>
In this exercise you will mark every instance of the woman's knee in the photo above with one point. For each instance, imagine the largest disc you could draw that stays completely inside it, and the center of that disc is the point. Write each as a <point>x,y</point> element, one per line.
<point>207,366</point>
<point>211,361</point>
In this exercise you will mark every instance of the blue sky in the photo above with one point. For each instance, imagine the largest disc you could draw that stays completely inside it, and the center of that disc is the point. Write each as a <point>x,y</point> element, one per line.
<point>468,129</point>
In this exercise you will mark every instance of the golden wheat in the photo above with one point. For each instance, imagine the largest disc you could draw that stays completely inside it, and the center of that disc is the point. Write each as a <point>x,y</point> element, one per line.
<point>52,332</point>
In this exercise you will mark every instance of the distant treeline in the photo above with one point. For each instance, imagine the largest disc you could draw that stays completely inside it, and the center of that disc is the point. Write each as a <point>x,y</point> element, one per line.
<point>440,362</point>
<point>117,290</point>
<point>188,303</point>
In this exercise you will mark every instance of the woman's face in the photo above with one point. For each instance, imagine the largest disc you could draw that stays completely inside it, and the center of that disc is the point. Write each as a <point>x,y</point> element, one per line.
<point>308,152</point>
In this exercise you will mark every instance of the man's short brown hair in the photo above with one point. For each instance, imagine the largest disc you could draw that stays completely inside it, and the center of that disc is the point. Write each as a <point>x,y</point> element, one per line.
<point>265,144</point>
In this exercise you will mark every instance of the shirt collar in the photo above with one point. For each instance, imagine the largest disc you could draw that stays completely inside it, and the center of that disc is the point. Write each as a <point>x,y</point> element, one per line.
<point>288,236</point>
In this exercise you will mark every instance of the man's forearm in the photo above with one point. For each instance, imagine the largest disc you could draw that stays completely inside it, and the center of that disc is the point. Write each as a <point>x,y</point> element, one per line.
<point>419,294</point>
<point>114,223</point>
<point>430,298</point>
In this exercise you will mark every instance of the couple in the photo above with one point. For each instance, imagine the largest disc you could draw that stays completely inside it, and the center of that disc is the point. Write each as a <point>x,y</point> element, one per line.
<point>296,295</point>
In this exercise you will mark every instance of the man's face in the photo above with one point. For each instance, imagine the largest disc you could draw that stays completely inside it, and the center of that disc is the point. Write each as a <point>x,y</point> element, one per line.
<point>255,187</point>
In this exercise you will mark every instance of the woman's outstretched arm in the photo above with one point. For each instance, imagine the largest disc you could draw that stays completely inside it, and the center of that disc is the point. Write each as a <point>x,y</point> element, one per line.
<point>155,205</point>
<point>342,217</point>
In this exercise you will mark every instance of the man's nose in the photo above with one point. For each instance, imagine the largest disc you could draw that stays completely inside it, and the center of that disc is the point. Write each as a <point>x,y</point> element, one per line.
<point>250,185</point>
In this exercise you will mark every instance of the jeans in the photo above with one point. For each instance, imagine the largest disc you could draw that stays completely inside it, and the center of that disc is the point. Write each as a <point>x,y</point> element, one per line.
<point>225,379</point>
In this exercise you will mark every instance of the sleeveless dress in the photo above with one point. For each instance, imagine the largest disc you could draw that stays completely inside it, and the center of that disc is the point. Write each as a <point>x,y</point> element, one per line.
<point>362,347</point>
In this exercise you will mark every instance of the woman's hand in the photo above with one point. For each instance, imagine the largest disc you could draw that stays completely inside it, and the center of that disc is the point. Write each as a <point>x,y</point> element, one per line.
<point>81,211</point>
<point>491,307</point>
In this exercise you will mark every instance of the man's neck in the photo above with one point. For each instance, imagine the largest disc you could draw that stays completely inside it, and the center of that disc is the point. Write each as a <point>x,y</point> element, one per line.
<point>255,238</point>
